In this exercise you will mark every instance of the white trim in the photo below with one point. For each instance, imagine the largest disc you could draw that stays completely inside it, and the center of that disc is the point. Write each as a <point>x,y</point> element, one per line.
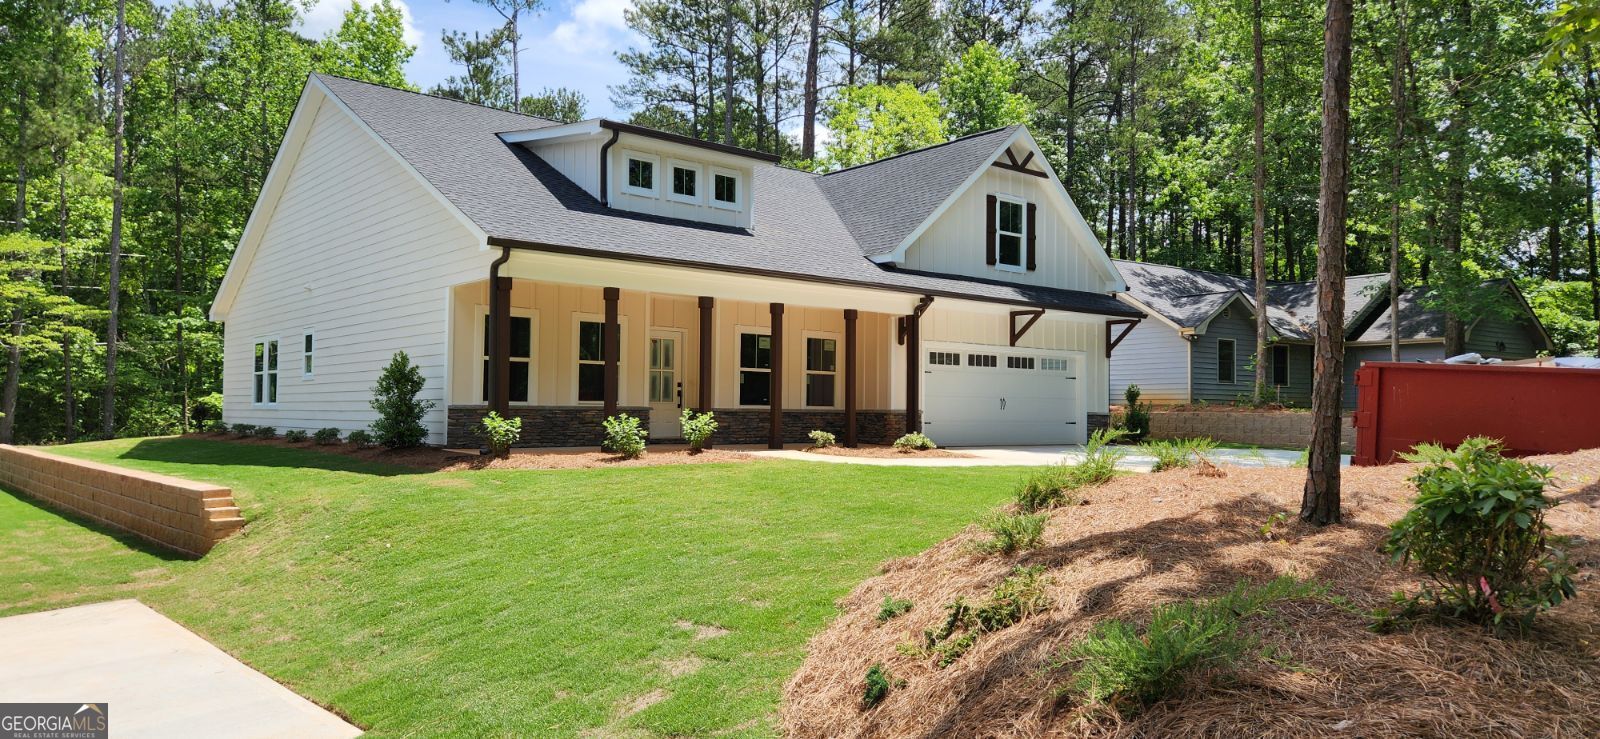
<point>738,189</point>
<point>579,318</point>
<point>1022,236</point>
<point>838,375</point>
<point>306,374</point>
<point>270,391</point>
<point>739,330</point>
<point>671,184</point>
<point>680,337</point>
<point>1233,366</point>
<point>480,354</point>
<point>1150,312</point>
<point>589,127</point>
<point>655,176</point>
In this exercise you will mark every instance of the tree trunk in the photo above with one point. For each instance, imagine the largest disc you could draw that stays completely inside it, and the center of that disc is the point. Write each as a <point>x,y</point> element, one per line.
<point>1397,100</point>
<point>67,392</point>
<point>1588,202</point>
<point>727,74</point>
<point>516,61</point>
<point>1320,504</point>
<point>1456,136</point>
<point>1553,268</point>
<point>808,123</point>
<point>1258,200</point>
<point>108,413</point>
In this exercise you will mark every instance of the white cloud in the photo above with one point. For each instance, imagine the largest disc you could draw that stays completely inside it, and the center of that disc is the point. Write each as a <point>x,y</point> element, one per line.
<point>592,26</point>
<point>324,17</point>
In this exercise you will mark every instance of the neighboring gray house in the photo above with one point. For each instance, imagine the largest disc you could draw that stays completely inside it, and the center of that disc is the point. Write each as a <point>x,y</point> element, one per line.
<point>1198,343</point>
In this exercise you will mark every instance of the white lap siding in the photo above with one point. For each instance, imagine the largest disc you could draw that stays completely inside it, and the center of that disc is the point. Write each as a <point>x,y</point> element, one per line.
<point>358,250</point>
<point>1154,357</point>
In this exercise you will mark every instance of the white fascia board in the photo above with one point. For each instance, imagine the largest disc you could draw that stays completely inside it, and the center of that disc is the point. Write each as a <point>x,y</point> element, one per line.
<point>899,253</point>
<point>590,127</point>
<point>1148,311</point>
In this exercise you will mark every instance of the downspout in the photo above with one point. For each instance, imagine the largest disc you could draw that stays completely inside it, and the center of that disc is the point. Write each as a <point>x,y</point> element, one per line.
<point>605,193</point>
<point>496,307</point>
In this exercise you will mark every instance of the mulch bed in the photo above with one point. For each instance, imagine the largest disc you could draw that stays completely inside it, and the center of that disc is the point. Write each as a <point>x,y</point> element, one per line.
<point>883,451</point>
<point>435,459</point>
<point>1147,539</point>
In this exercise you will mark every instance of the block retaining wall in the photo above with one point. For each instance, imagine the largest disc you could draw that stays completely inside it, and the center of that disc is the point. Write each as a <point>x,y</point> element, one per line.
<point>189,517</point>
<point>1257,428</point>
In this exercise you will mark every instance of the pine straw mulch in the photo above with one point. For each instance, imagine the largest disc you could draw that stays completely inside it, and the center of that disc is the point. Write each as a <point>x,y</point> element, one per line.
<point>885,451</point>
<point>436,459</point>
<point>1147,539</point>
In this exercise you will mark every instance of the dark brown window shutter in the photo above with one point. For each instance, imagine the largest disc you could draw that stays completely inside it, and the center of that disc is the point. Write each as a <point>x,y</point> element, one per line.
<point>1033,252</point>
<point>989,242</point>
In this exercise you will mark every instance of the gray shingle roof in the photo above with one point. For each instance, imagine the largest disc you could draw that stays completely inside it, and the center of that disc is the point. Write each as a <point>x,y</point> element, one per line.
<point>1188,297</point>
<point>1417,321</point>
<point>517,198</point>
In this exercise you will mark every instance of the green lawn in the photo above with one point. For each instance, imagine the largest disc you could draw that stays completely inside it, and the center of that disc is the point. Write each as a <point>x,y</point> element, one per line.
<point>508,602</point>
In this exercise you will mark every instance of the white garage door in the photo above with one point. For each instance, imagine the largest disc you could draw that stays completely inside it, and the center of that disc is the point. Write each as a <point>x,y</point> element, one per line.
<point>1000,395</point>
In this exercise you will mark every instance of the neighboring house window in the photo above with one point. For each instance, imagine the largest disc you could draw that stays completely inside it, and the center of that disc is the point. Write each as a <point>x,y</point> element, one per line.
<point>266,372</point>
<point>641,176</point>
<point>685,186</point>
<point>1225,361</point>
<point>1280,365</point>
<point>724,189</point>
<point>520,378</point>
<point>591,361</point>
<point>1010,233</point>
<point>308,355</point>
<point>755,369</point>
<point>821,369</point>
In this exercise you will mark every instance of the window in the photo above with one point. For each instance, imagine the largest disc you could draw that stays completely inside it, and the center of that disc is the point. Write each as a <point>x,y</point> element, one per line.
<point>981,360</point>
<point>685,185</point>
<point>1019,362</point>
<point>725,189</point>
<point>641,176</point>
<point>520,377</point>
<point>591,362</point>
<point>1053,364</point>
<point>1010,233</point>
<point>1225,361</point>
<point>266,372</point>
<point>945,358</point>
<point>307,355</point>
<point>755,369</point>
<point>821,369</point>
<point>1280,365</point>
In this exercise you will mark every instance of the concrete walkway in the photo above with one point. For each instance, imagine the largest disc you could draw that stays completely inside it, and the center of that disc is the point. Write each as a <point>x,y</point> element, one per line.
<point>1042,455</point>
<point>157,678</point>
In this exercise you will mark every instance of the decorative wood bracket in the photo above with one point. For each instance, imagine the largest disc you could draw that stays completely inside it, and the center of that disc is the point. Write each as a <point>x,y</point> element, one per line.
<point>900,324</point>
<point>1112,343</point>
<point>1014,165</point>
<point>1033,317</point>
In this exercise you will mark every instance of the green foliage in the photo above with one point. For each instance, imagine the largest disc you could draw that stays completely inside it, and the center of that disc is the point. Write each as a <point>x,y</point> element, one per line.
<point>871,122</point>
<point>483,58</point>
<point>562,104</point>
<point>359,439</point>
<point>326,436</point>
<point>1018,596</point>
<point>1177,453</point>
<point>1010,533</point>
<point>879,680</point>
<point>218,427</point>
<point>1567,314</point>
<point>892,608</point>
<point>1046,487</point>
<point>978,91</point>
<point>294,436</point>
<point>208,408</point>
<point>400,411</point>
<point>946,653</point>
<point>369,45</point>
<point>500,433</point>
<point>243,430</point>
<point>822,439</point>
<point>1100,458</point>
<point>1126,667</point>
<point>1135,415</point>
<point>625,436</point>
<point>697,428</point>
<point>264,432</point>
<point>1477,530</point>
<point>914,442</point>
<point>1269,530</point>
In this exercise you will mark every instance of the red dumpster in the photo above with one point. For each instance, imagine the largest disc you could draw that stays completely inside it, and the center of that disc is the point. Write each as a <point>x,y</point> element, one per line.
<point>1532,410</point>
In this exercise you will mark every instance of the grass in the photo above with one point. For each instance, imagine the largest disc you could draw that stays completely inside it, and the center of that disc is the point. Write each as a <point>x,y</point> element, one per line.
<point>513,602</point>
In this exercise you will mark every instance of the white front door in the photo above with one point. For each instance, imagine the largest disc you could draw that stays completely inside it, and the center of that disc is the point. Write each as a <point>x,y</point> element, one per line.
<point>665,383</point>
<point>978,395</point>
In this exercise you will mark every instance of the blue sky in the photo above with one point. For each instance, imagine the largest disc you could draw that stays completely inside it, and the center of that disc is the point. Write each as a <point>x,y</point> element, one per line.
<point>572,43</point>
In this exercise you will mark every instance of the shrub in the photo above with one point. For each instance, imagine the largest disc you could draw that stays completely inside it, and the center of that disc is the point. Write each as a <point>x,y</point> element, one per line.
<point>624,436</point>
<point>878,683</point>
<point>1126,667</point>
<point>400,412</point>
<point>892,607</point>
<point>1136,415</point>
<point>218,427</point>
<point>697,428</point>
<point>326,436</point>
<point>294,436</point>
<point>1045,487</point>
<point>914,441</point>
<point>1018,596</point>
<point>264,432</point>
<point>1477,530</point>
<point>949,651</point>
<point>359,439</point>
<point>242,430</point>
<point>1100,458</point>
<point>1177,454</point>
<point>500,433</point>
<point>207,408</point>
<point>822,440</point>
<point>1010,533</point>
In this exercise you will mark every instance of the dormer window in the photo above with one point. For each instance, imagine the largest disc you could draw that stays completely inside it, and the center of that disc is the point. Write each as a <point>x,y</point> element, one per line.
<point>1010,233</point>
<point>685,183</point>
<point>641,178</point>
<point>724,189</point>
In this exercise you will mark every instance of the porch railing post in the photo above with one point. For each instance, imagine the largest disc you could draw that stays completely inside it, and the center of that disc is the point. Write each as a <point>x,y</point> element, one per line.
<point>775,392</point>
<point>706,395</point>
<point>850,315</point>
<point>611,337</point>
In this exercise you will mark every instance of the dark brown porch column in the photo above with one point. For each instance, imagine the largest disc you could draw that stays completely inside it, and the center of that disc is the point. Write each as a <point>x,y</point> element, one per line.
<point>850,315</point>
<point>499,378</point>
<point>612,339</point>
<point>775,393</point>
<point>913,373</point>
<point>707,333</point>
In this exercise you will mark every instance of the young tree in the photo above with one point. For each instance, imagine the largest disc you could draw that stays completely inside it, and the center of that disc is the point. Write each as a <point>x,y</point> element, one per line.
<point>511,34</point>
<point>1320,504</point>
<point>558,104</point>
<point>400,411</point>
<point>977,90</point>
<point>40,319</point>
<point>369,45</point>
<point>483,81</point>
<point>108,412</point>
<point>875,121</point>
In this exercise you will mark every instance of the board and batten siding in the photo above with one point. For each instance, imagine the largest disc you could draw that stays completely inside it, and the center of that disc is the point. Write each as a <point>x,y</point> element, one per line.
<point>358,251</point>
<point>1086,336</point>
<point>1156,358</point>
<point>955,243</point>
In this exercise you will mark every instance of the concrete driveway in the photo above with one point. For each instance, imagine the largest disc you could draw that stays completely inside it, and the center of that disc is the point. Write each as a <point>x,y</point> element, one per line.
<point>1043,455</point>
<point>157,678</point>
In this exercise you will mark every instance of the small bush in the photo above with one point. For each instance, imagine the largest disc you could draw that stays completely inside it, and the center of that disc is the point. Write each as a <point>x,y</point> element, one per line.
<point>1018,596</point>
<point>326,436</point>
<point>1045,487</point>
<point>1010,533</point>
<point>914,441</point>
<point>1477,530</point>
<point>400,412</point>
<point>264,432</point>
<point>879,681</point>
<point>218,427</point>
<point>1100,458</point>
<point>1126,668</point>
<point>1177,454</point>
<point>1135,415</point>
<point>207,409</point>
<point>294,436</point>
<point>892,607</point>
<point>697,428</point>
<point>500,433</point>
<point>822,440</point>
<point>624,436</point>
<point>359,439</point>
<point>242,430</point>
<point>946,653</point>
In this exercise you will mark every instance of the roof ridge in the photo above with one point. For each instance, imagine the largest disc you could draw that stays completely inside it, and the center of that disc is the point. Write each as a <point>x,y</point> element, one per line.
<point>435,97</point>
<point>956,140</point>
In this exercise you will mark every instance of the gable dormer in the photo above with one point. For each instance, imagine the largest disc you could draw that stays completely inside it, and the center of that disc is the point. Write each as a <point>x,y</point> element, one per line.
<point>642,170</point>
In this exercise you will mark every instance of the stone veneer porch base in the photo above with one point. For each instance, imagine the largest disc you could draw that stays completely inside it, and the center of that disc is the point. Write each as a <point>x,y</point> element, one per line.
<point>551,426</point>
